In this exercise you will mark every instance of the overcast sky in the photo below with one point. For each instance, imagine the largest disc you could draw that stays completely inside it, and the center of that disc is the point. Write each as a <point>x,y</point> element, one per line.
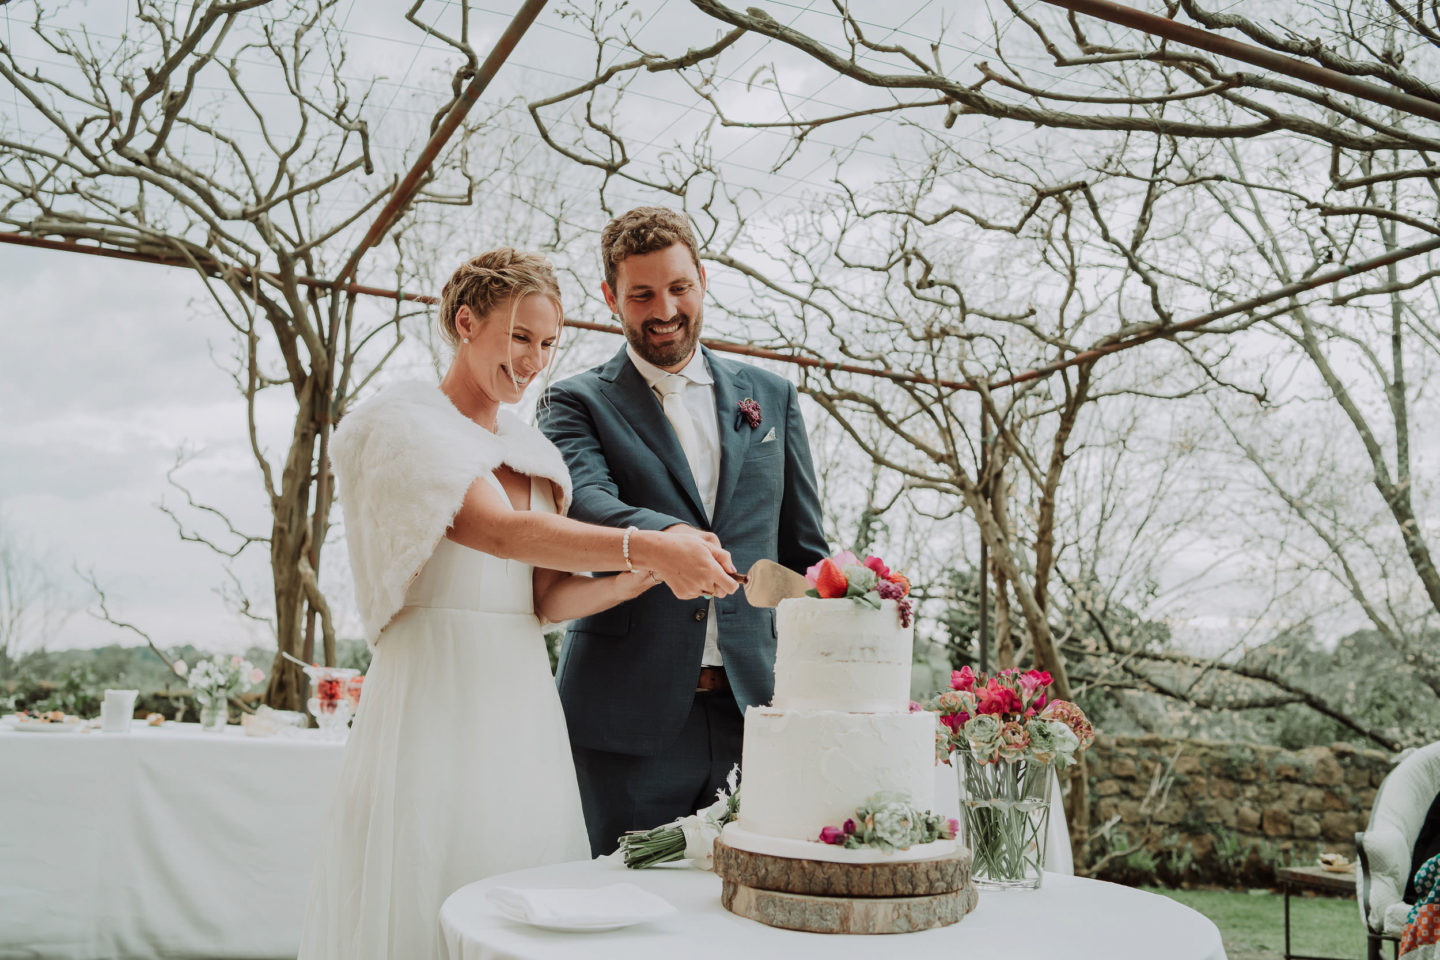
<point>108,369</point>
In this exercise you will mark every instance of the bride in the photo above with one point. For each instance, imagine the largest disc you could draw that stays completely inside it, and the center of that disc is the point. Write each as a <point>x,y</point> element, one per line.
<point>458,766</point>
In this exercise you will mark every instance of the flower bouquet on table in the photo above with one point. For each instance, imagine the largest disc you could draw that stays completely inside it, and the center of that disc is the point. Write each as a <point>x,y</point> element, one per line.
<point>1007,735</point>
<point>214,681</point>
<point>868,582</point>
<point>693,836</point>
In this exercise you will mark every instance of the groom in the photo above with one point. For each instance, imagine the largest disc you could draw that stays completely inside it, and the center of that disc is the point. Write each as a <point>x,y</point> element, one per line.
<point>666,433</point>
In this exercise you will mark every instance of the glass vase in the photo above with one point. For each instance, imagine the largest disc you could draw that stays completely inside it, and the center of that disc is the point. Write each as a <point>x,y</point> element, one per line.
<point>214,713</point>
<point>1005,819</point>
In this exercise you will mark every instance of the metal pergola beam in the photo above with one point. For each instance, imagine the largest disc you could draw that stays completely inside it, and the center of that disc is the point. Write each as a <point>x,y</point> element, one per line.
<point>1248,53</point>
<point>744,349</point>
<point>410,185</point>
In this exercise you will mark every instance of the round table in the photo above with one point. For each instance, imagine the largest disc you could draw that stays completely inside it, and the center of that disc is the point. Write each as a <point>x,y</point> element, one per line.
<point>1068,916</point>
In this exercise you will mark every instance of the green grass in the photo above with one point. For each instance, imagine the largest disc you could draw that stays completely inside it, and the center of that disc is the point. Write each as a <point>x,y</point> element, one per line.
<point>1253,923</point>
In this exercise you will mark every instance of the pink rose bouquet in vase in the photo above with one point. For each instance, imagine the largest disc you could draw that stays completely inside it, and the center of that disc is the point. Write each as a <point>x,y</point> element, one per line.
<point>1005,735</point>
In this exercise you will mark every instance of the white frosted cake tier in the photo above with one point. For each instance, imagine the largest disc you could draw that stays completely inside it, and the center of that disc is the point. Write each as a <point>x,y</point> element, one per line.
<point>738,837</point>
<point>803,770</point>
<point>842,655</point>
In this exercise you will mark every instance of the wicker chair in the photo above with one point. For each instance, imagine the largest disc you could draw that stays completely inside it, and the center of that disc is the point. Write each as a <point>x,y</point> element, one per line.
<point>1387,845</point>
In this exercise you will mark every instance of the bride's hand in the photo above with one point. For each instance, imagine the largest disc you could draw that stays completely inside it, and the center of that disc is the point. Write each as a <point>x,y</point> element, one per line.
<point>691,562</point>
<point>633,583</point>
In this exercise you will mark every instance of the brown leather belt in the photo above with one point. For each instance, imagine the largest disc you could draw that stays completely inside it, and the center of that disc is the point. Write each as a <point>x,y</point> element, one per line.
<point>712,679</point>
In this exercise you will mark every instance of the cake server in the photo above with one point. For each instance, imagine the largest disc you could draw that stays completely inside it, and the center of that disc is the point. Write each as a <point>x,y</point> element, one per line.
<point>767,583</point>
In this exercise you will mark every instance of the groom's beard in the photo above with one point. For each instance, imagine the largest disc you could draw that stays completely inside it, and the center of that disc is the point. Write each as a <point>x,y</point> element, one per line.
<point>671,352</point>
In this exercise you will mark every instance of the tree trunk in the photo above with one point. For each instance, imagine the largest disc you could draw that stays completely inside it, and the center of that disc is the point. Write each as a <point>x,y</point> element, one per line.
<point>289,544</point>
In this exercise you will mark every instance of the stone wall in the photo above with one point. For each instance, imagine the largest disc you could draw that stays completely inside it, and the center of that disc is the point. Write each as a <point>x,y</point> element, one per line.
<point>1231,812</point>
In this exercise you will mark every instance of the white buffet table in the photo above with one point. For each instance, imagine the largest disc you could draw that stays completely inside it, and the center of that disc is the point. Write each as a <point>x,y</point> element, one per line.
<point>161,842</point>
<point>1067,917</point>
<point>169,842</point>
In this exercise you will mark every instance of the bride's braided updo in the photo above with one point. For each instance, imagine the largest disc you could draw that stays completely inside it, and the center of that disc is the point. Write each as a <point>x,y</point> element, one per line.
<point>485,282</point>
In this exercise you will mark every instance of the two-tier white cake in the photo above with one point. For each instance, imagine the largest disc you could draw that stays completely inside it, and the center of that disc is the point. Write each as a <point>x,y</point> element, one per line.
<point>839,731</point>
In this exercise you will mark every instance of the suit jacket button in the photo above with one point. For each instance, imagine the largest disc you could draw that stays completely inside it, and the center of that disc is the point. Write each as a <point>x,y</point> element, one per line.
<point>700,614</point>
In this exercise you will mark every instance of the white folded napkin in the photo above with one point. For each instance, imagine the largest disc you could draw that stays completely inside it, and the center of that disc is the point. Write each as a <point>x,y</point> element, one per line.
<point>617,903</point>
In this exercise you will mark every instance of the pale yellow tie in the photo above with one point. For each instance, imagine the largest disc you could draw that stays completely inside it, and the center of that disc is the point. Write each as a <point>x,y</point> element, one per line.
<point>672,401</point>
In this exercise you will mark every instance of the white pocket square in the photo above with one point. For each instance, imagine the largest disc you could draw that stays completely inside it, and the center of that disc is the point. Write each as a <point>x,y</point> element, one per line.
<point>769,437</point>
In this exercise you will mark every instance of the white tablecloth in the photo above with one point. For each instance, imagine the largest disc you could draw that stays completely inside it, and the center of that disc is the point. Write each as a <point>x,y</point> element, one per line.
<point>161,842</point>
<point>1067,917</point>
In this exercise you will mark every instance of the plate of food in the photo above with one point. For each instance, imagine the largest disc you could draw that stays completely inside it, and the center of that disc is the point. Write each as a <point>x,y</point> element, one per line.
<point>50,721</point>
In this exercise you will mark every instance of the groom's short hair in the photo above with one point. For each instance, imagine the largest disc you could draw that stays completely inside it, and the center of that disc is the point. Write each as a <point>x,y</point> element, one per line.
<point>644,230</point>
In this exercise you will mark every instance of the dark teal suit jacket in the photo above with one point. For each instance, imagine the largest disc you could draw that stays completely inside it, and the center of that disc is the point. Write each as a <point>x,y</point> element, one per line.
<point>627,675</point>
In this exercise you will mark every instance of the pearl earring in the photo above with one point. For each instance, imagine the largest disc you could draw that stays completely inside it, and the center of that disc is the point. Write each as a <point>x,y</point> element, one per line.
<point>464,339</point>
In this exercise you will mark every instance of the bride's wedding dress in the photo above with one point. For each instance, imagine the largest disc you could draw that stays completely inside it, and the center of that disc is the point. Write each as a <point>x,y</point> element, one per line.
<point>458,765</point>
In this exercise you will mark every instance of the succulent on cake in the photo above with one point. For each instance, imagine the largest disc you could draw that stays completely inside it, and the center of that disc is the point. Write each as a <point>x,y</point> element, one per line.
<point>1009,716</point>
<point>846,576</point>
<point>889,821</point>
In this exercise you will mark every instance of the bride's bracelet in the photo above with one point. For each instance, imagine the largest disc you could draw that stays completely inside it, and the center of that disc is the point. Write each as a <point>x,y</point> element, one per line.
<point>625,547</point>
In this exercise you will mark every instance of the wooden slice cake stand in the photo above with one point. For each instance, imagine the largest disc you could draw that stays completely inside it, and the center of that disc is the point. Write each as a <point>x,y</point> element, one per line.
<point>824,897</point>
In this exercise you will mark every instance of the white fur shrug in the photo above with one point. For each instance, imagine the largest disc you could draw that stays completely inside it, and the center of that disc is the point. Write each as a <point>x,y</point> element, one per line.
<point>403,460</point>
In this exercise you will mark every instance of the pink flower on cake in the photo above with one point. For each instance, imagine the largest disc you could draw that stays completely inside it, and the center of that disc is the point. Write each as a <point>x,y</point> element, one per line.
<point>889,590</point>
<point>832,835</point>
<point>839,562</point>
<point>870,583</point>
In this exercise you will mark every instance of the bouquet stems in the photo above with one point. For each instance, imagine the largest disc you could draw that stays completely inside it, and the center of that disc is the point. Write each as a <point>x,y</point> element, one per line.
<point>1006,817</point>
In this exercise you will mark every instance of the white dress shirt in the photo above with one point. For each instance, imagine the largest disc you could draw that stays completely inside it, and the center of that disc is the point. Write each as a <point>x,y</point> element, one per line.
<point>699,397</point>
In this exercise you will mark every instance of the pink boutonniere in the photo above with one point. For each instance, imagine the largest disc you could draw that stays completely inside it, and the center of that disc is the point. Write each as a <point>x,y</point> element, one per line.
<point>749,413</point>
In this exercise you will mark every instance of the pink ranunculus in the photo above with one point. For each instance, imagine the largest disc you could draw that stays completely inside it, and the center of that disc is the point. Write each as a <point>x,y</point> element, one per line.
<point>954,720</point>
<point>997,698</point>
<point>1034,680</point>
<point>962,679</point>
<point>846,559</point>
<point>257,675</point>
<point>832,835</point>
<point>878,565</point>
<point>952,826</point>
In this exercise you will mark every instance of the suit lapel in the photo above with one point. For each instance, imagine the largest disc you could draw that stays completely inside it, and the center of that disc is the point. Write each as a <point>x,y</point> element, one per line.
<point>731,386</point>
<point>640,407</point>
